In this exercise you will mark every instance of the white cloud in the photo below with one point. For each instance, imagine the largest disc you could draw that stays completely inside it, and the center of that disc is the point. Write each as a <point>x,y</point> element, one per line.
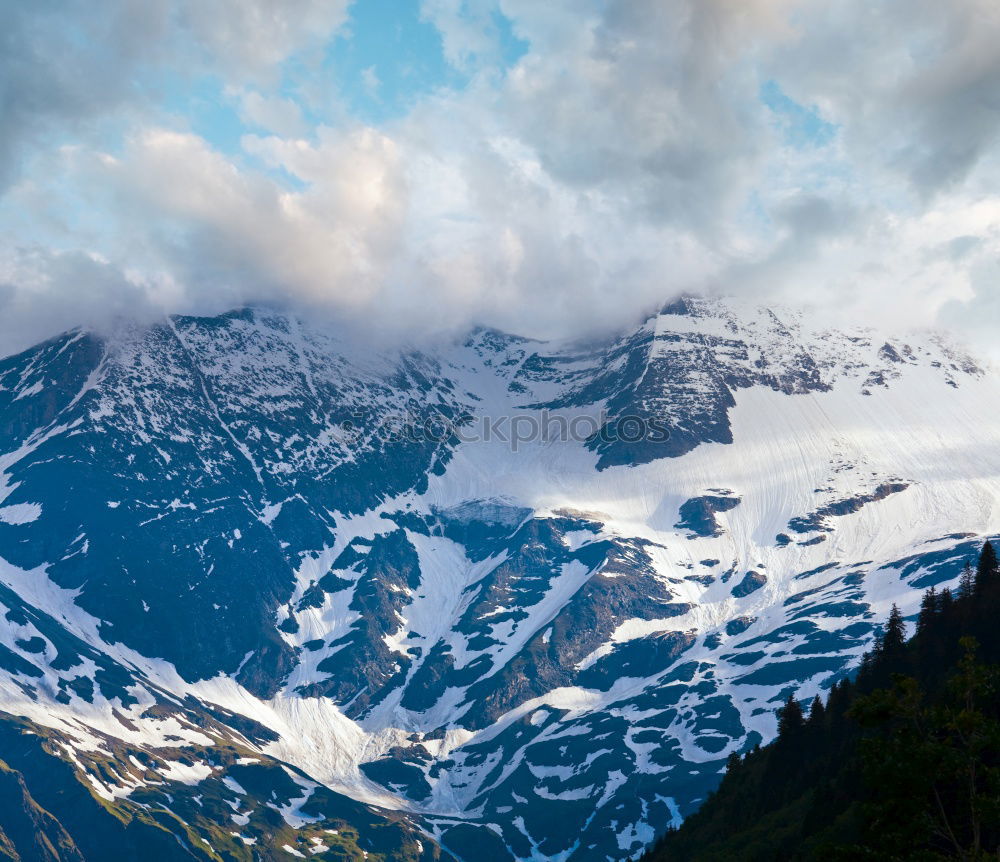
<point>250,38</point>
<point>43,293</point>
<point>67,67</point>
<point>469,29</point>
<point>270,113</point>
<point>627,156</point>
<point>242,234</point>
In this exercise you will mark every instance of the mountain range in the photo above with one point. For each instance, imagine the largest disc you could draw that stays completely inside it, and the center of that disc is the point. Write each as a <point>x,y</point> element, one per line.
<point>270,591</point>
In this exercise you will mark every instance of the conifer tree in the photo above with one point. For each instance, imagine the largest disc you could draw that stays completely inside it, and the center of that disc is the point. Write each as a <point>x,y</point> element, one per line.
<point>790,718</point>
<point>988,570</point>
<point>894,635</point>
<point>967,582</point>
<point>945,601</point>
<point>901,762</point>
<point>869,660</point>
<point>839,700</point>
<point>817,712</point>
<point>928,609</point>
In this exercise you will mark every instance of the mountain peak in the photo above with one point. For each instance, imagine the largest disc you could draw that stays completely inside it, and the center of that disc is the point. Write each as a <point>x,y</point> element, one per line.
<point>431,579</point>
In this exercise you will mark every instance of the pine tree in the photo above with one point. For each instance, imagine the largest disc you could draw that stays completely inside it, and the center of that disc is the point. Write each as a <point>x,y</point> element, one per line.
<point>903,762</point>
<point>967,582</point>
<point>839,700</point>
<point>928,609</point>
<point>933,767</point>
<point>988,570</point>
<point>869,659</point>
<point>817,712</point>
<point>945,602</point>
<point>894,635</point>
<point>790,718</point>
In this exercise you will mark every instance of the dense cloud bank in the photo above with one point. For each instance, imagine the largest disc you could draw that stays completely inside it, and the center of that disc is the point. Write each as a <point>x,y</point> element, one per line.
<point>836,155</point>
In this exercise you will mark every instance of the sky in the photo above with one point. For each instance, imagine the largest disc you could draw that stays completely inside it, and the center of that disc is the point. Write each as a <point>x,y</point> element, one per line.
<point>554,169</point>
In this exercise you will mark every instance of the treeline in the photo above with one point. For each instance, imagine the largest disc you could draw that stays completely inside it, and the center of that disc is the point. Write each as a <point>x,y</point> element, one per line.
<point>902,762</point>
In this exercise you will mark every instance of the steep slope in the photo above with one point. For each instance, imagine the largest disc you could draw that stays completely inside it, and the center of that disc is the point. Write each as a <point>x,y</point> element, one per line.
<point>902,762</point>
<point>213,801</point>
<point>457,582</point>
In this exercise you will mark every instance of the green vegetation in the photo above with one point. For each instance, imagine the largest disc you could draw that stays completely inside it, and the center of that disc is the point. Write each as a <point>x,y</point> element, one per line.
<point>49,809</point>
<point>900,763</point>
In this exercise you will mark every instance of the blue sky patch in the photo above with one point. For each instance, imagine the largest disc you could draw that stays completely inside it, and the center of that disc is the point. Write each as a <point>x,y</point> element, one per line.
<point>801,125</point>
<point>385,58</point>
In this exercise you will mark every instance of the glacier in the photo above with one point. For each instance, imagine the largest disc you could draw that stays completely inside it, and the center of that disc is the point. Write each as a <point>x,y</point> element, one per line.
<point>546,652</point>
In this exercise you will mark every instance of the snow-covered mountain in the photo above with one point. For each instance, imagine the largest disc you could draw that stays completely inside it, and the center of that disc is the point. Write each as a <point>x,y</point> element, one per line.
<point>258,601</point>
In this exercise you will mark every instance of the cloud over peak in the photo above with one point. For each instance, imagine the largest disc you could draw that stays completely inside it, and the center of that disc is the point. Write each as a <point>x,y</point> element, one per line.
<point>548,168</point>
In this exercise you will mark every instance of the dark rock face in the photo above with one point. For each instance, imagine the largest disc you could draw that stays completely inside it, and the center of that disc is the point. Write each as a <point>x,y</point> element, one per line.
<point>637,659</point>
<point>176,455</point>
<point>668,383</point>
<point>48,812</point>
<point>698,514</point>
<point>361,666</point>
<point>612,581</point>
<point>817,520</point>
<point>397,774</point>
<point>214,508</point>
<point>28,831</point>
<point>752,581</point>
<point>738,625</point>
